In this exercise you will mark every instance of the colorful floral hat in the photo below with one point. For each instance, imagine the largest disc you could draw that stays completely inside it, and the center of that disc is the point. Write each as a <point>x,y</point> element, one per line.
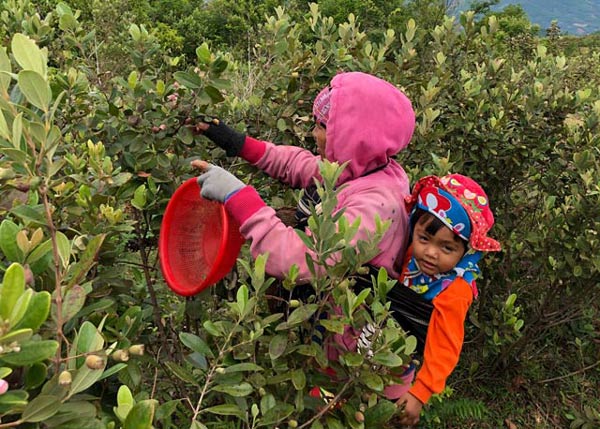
<point>471,197</point>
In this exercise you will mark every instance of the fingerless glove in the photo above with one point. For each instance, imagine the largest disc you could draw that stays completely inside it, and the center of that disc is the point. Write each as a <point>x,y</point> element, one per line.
<point>225,137</point>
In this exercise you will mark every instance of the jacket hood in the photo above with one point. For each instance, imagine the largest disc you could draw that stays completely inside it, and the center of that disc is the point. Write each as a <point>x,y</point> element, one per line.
<point>370,120</point>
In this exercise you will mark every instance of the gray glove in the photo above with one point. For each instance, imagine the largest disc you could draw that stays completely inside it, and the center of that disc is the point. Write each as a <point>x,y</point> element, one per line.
<point>218,184</point>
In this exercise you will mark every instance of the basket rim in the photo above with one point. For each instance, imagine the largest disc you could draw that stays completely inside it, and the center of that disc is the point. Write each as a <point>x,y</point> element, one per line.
<point>169,275</point>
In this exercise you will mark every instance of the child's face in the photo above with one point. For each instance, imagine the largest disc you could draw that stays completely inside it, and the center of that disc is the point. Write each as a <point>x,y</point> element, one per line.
<point>320,134</point>
<point>437,253</point>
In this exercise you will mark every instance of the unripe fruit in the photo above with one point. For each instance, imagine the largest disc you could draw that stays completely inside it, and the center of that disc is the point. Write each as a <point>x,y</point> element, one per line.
<point>360,417</point>
<point>94,362</point>
<point>293,423</point>
<point>120,355</point>
<point>294,303</point>
<point>220,370</point>
<point>65,378</point>
<point>136,350</point>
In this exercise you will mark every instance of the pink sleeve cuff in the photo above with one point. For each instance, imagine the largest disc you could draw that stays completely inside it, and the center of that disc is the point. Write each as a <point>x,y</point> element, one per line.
<point>253,150</point>
<point>244,204</point>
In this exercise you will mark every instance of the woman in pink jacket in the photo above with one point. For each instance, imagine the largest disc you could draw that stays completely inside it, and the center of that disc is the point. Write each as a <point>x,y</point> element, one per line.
<point>358,118</point>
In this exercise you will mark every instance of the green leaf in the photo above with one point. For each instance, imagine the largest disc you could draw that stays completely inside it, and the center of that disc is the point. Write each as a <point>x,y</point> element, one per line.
<point>84,378</point>
<point>86,260</point>
<point>181,373</point>
<point>125,403</point>
<point>141,415</point>
<point>8,241</point>
<point>27,213</point>
<point>203,53</point>
<point>73,301</point>
<point>376,416</point>
<point>197,425</point>
<point>196,344</point>
<point>124,396</point>
<point>372,381</point>
<point>16,155</point>
<point>41,408</point>
<point>113,370</point>
<point>20,307</point>
<point>139,197</point>
<point>219,66</point>
<point>277,346</point>
<point>88,340</point>
<point>237,390</point>
<point>189,80</point>
<point>35,376</point>
<point>18,335</point>
<point>362,296</point>
<point>333,325</point>
<point>301,314</point>
<point>35,88</point>
<point>64,248</point>
<point>299,379</point>
<point>11,400</point>
<point>410,345</point>
<point>5,66</point>
<point>353,359</point>
<point>211,328</point>
<point>225,410</point>
<point>242,298</point>
<point>39,252</point>
<point>242,367</point>
<point>31,352</point>
<point>4,372</point>
<point>4,132</point>
<point>214,94</point>
<point>388,359</point>
<point>276,414</point>
<point>13,286</point>
<point>37,312</point>
<point>28,55</point>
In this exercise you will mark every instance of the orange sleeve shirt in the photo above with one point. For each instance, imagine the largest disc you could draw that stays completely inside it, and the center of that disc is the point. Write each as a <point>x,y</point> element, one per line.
<point>445,336</point>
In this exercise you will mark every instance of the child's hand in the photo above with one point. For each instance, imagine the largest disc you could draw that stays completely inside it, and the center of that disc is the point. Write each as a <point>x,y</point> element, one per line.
<point>412,409</point>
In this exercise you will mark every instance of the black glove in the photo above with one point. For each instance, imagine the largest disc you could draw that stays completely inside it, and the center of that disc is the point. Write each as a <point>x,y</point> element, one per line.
<point>225,137</point>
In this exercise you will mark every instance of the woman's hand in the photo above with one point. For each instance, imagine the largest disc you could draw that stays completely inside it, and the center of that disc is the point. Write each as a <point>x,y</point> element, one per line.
<point>223,136</point>
<point>216,183</point>
<point>412,409</point>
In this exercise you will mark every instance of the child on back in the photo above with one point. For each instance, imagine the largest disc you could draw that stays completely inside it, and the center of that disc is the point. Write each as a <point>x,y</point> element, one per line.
<point>450,218</point>
<point>359,118</point>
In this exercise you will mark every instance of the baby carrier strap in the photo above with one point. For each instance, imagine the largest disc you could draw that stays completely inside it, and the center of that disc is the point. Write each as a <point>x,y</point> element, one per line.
<point>408,307</point>
<point>412,312</point>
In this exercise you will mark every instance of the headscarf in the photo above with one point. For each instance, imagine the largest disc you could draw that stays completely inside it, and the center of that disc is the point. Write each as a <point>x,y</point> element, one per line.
<point>462,205</point>
<point>322,105</point>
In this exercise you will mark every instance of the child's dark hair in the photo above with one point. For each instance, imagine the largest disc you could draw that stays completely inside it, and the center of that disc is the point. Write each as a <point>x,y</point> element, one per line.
<point>433,225</point>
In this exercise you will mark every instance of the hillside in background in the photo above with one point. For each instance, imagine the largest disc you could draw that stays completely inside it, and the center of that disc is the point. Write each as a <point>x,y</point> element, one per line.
<point>576,17</point>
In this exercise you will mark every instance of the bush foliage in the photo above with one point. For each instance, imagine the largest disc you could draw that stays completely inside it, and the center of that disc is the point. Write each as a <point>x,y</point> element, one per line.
<point>93,141</point>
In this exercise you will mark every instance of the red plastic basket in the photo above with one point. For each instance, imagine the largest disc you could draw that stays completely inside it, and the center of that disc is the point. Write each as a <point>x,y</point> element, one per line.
<point>199,242</point>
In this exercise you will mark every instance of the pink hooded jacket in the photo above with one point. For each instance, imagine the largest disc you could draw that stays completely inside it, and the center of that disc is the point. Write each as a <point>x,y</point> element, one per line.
<point>369,122</point>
